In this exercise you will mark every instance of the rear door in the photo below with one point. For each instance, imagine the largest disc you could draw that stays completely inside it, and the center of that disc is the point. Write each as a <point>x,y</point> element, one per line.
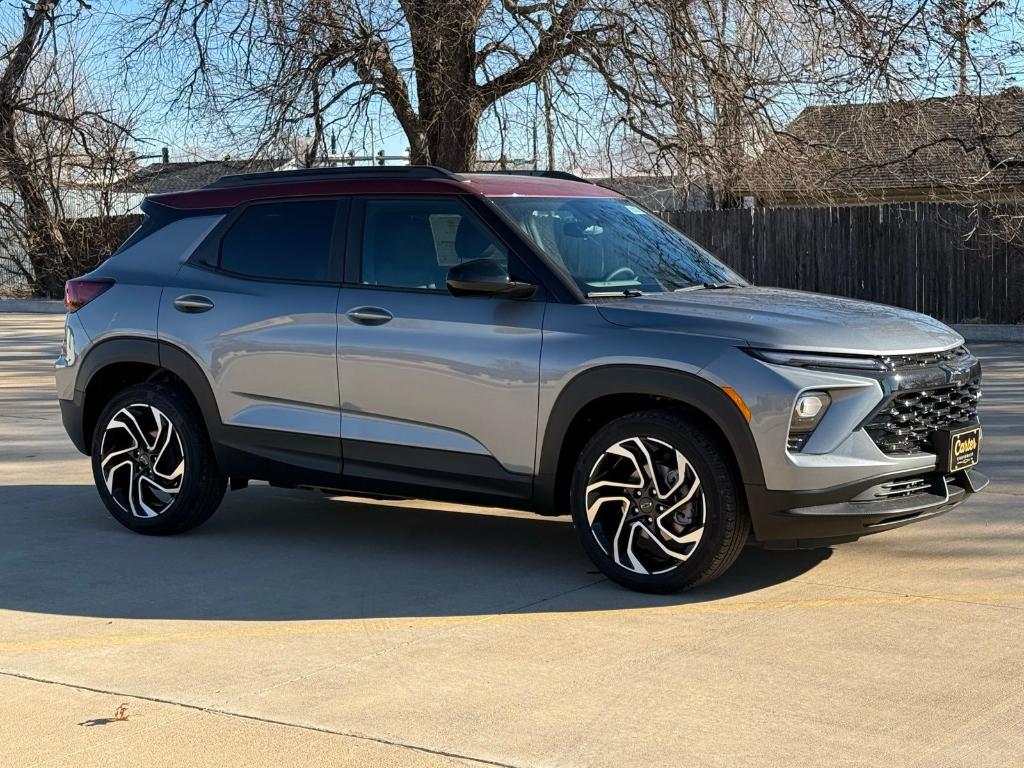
<point>439,394</point>
<point>256,307</point>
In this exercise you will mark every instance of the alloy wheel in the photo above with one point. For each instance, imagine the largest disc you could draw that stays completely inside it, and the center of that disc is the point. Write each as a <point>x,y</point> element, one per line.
<point>645,505</point>
<point>142,460</point>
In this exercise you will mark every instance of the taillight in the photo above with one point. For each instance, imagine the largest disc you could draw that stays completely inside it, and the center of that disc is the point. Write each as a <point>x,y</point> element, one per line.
<point>82,290</point>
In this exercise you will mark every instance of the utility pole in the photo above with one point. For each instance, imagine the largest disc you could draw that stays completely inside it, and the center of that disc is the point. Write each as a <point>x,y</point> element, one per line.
<point>549,128</point>
<point>960,33</point>
<point>536,122</point>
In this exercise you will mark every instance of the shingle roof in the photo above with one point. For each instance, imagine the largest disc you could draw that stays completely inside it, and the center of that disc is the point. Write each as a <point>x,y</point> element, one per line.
<point>954,143</point>
<point>175,177</point>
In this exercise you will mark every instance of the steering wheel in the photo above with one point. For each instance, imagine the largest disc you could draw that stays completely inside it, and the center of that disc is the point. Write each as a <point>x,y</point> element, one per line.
<point>622,273</point>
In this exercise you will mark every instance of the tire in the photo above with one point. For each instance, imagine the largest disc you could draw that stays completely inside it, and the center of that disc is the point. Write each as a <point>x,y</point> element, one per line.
<point>683,531</point>
<point>169,481</point>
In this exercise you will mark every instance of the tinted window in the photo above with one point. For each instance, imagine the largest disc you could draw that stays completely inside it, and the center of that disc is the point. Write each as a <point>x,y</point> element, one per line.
<point>284,241</point>
<point>413,243</point>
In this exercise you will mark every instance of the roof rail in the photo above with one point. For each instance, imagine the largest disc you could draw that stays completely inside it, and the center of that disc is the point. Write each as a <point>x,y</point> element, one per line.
<point>564,175</point>
<point>343,172</point>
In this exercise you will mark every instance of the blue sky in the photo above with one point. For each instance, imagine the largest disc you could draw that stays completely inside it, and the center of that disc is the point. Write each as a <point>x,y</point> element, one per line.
<point>174,129</point>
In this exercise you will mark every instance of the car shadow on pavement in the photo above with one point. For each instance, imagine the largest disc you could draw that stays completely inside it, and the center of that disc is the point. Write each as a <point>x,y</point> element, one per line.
<point>271,555</point>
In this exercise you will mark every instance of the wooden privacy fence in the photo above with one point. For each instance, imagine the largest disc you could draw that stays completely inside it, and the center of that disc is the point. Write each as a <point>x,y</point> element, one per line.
<point>956,263</point>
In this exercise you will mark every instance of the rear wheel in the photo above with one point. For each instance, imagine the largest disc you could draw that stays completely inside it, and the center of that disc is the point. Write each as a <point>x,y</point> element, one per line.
<point>152,461</point>
<point>656,505</point>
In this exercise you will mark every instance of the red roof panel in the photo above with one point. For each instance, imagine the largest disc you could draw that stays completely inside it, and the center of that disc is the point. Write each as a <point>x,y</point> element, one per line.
<point>489,185</point>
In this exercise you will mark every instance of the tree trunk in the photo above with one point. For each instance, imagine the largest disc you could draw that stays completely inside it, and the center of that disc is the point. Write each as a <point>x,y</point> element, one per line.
<point>452,135</point>
<point>443,36</point>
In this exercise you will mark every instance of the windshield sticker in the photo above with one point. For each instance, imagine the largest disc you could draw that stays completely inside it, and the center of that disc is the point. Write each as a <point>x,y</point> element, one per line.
<point>634,209</point>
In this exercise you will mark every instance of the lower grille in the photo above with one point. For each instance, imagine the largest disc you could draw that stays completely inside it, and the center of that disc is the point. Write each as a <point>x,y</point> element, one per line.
<point>796,442</point>
<point>905,422</point>
<point>905,487</point>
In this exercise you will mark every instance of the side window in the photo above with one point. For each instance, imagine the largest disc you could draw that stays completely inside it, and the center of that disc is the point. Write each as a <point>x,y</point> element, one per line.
<point>413,243</point>
<point>283,241</point>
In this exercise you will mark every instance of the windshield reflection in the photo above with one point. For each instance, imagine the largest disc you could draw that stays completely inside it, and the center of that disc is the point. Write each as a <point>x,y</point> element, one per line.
<point>613,245</point>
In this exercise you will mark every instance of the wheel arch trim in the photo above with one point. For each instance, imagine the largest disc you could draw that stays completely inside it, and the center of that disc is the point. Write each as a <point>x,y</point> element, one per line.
<point>687,389</point>
<point>147,351</point>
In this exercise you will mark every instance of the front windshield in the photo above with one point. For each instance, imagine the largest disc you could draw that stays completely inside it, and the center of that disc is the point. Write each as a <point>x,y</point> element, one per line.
<point>612,245</point>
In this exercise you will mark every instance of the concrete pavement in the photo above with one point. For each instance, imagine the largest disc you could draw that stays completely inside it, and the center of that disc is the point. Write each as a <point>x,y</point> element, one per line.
<point>297,629</point>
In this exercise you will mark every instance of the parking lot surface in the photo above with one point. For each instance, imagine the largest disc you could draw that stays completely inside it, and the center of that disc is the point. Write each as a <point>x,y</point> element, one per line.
<point>297,629</point>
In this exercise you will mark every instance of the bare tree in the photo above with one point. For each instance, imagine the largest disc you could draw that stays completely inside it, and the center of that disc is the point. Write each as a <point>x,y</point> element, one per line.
<point>438,65</point>
<point>58,148</point>
<point>710,82</point>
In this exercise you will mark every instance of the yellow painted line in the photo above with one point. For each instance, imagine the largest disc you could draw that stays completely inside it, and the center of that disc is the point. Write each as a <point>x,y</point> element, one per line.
<point>300,628</point>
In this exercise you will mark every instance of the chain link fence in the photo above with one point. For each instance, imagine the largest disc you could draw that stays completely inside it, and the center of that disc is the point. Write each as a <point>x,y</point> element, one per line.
<point>84,211</point>
<point>15,279</point>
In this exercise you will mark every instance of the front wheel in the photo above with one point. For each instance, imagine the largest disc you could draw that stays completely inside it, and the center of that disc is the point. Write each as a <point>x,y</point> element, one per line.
<point>656,505</point>
<point>152,461</point>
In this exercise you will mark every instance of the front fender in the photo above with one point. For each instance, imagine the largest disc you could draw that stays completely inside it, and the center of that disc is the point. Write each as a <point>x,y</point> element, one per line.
<point>685,388</point>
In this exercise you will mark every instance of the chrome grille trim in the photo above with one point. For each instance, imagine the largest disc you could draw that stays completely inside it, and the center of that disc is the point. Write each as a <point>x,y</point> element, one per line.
<point>904,487</point>
<point>925,359</point>
<point>905,422</point>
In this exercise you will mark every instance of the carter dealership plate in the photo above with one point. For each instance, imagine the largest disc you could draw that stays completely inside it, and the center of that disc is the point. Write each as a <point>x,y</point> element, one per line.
<point>958,448</point>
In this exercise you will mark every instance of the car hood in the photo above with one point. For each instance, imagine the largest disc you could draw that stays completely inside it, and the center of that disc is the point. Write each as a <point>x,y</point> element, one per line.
<point>784,319</point>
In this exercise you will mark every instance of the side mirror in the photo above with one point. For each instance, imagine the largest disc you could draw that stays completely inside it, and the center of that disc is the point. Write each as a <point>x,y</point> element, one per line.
<point>486,277</point>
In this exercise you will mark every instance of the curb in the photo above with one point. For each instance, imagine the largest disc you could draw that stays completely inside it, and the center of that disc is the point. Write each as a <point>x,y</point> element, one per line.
<point>34,306</point>
<point>982,332</point>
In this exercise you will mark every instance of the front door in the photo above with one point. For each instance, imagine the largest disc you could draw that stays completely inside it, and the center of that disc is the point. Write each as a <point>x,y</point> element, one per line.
<point>438,392</point>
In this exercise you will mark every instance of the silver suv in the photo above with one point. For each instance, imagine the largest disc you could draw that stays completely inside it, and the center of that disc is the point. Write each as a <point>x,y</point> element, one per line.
<point>529,341</point>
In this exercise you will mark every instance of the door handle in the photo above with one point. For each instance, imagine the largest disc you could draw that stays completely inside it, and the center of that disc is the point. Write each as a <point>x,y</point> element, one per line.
<point>192,303</point>
<point>369,315</point>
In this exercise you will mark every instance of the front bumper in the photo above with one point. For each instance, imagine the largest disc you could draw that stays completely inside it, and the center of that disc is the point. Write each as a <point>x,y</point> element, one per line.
<point>840,451</point>
<point>799,519</point>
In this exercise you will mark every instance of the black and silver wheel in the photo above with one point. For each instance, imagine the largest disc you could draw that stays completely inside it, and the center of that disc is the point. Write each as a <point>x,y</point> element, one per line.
<point>142,460</point>
<point>655,504</point>
<point>152,461</point>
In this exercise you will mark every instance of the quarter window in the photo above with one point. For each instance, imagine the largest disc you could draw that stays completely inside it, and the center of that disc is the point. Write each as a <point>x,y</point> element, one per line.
<point>413,243</point>
<point>282,241</point>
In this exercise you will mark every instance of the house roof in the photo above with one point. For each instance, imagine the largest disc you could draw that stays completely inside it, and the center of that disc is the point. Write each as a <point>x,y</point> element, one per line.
<point>967,144</point>
<point>157,178</point>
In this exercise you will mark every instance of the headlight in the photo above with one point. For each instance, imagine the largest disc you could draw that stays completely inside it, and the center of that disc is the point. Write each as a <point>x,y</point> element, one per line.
<point>808,411</point>
<point>816,360</point>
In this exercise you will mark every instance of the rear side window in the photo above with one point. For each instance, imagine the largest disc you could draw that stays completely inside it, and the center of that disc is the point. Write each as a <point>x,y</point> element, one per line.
<point>283,241</point>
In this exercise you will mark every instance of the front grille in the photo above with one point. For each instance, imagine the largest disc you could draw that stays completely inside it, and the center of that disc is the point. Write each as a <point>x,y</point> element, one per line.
<point>925,359</point>
<point>904,424</point>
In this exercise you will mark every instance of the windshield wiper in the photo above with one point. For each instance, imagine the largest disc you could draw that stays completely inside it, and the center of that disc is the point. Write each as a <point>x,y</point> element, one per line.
<point>628,292</point>
<point>708,286</point>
